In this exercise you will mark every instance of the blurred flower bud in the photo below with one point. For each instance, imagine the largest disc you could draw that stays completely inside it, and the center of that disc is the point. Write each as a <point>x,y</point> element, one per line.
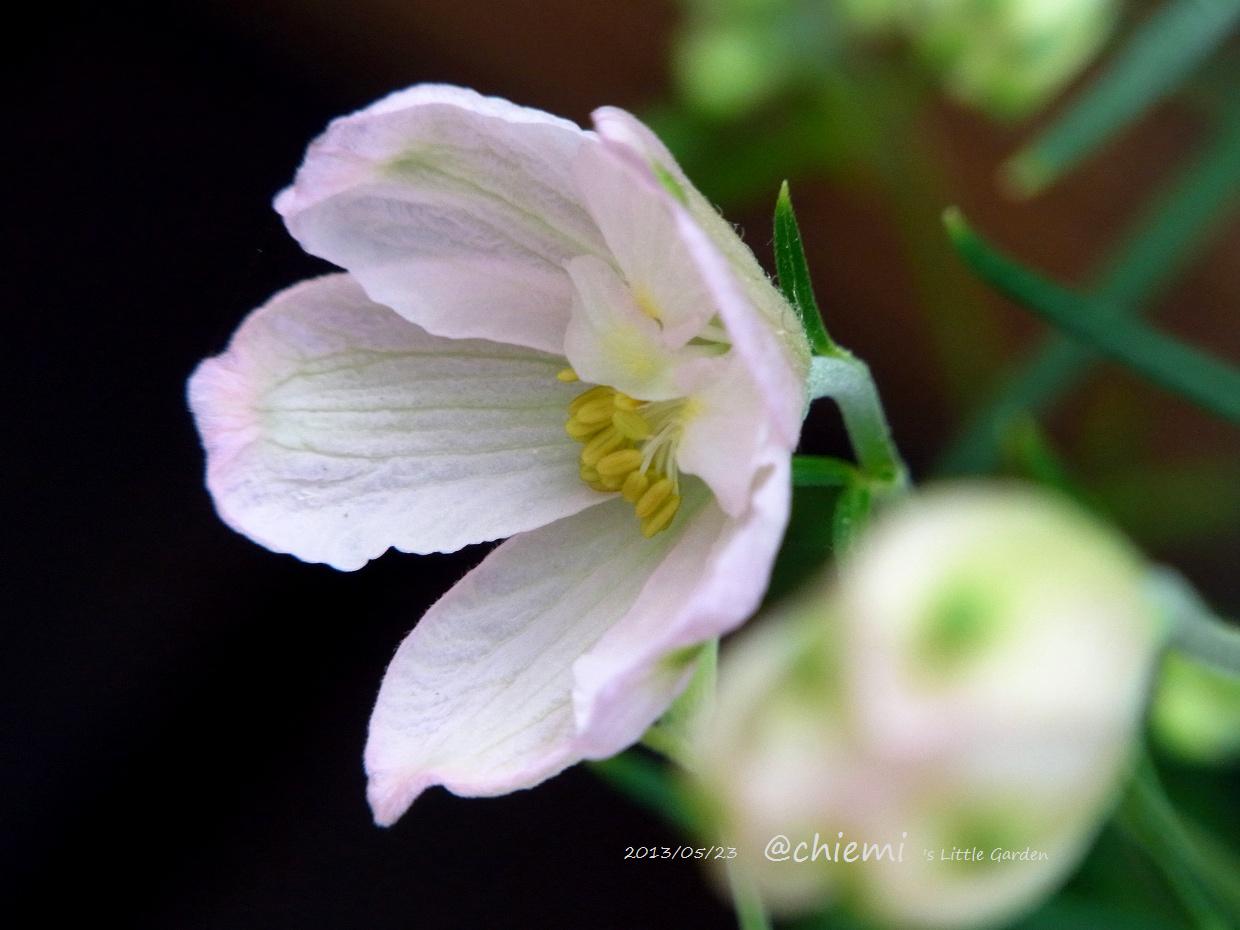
<point>1196,711</point>
<point>734,56</point>
<point>726,69</point>
<point>1009,57</point>
<point>935,739</point>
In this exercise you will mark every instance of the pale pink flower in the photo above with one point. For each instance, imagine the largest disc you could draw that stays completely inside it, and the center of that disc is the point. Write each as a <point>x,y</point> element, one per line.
<point>419,402</point>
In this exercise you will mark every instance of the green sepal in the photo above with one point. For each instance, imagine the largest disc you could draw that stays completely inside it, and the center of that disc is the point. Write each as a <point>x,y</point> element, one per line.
<point>794,279</point>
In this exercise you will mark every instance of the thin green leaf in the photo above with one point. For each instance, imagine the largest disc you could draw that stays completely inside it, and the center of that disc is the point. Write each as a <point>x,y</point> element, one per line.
<point>1167,235</point>
<point>1207,381</point>
<point>1160,54</point>
<point>793,270</point>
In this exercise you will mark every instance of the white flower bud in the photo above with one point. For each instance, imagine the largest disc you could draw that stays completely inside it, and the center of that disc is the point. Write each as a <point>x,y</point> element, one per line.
<point>1009,56</point>
<point>967,692</point>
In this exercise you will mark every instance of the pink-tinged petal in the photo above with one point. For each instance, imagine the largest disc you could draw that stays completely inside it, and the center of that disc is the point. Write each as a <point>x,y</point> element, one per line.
<point>611,341</point>
<point>712,446</point>
<point>638,221</point>
<point>707,585</point>
<point>335,429</point>
<point>641,147</point>
<point>479,696</point>
<point>763,327</point>
<point>456,210</point>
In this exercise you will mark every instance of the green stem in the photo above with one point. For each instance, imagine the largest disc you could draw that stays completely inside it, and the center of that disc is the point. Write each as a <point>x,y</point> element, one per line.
<point>1209,382</point>
<point>1195,629</point>
<point>677,731</point>
<point>750,912</point>
<point>820,471</point>
<point>647,783</point>
<point>846,379</point>
<point>1168,234</point>
<point>834,371</point>
<point>1209,894</point>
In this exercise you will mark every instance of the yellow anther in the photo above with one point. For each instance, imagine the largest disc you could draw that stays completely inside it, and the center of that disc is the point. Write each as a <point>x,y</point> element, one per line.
<point>609,440</point>
<point>660,519</point>
<point>634,486</point>
<point>598,410</point>
<point>582,431</point>
<point>655,495</point>
<point>632,424</point>
<point>618,434</point>
<point>586,396</point>
<point>612,482</point>
<point>619,463</point>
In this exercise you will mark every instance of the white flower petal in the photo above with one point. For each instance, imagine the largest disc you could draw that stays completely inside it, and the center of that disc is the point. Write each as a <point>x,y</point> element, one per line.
<point>611,341</point>
<point>707,585</point>
<point>643,148</point>
<point>478,698</point>
<point>454,209</point>
<point>335,429</point>
<point>713,447</point>
<point>763,327</point>
<point>638,220</point>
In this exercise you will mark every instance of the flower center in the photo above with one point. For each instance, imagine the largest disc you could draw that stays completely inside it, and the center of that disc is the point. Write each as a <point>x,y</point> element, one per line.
<point>629,446</point>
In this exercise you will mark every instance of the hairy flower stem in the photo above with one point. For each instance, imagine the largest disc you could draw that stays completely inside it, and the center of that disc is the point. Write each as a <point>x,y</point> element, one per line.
<point>1195,630</point>
<point>846,379</point>
<point>750,912</point>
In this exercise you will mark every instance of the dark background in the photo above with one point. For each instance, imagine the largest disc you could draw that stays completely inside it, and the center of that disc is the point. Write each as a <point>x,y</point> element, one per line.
<point>184,712</point>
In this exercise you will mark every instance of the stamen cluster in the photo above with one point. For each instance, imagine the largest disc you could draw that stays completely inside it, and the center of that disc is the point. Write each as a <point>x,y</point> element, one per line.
<point>629,446</point>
